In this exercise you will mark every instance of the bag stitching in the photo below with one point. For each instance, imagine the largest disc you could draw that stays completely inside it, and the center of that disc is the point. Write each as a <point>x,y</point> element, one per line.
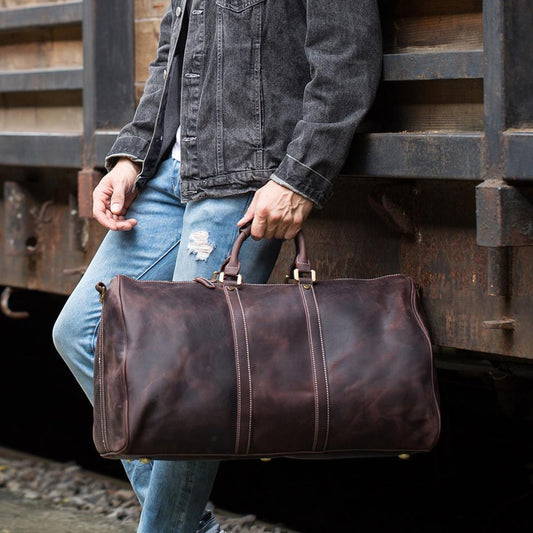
<point>238,368</point>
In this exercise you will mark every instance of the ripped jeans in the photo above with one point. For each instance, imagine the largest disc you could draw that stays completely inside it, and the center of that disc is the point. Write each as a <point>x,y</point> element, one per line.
<point>172,240</point>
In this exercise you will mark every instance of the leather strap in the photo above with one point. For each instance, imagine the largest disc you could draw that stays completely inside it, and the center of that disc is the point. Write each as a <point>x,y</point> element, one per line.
<point>318,367</point>
<point>243,371</point>
<point>232,266</point>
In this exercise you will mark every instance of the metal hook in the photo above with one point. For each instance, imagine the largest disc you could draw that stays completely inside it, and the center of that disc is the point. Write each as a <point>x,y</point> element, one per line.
<point>42,212</point>
<point>4,304</point>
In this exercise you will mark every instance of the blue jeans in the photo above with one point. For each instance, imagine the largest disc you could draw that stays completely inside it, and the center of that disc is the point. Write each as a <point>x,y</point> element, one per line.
<point>172,240</point>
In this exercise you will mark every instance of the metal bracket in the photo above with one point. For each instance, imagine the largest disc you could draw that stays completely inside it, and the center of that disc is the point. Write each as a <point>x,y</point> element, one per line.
<point>504,214</point>
<point>87,180</point>
<point>504,219</point>
<point>503,323</point>
<point>21,219</point>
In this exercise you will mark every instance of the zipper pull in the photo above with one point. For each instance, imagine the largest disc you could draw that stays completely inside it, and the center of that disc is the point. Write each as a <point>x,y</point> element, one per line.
<point>101,288</point>
<point>205,282</point>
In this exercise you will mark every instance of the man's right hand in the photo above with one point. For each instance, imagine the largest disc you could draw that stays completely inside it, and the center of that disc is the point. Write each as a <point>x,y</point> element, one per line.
<point>114,194</point>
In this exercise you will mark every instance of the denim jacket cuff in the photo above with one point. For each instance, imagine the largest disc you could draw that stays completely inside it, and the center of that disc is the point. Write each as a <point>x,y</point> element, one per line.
<point>303,180</point>
<point>132,147</point>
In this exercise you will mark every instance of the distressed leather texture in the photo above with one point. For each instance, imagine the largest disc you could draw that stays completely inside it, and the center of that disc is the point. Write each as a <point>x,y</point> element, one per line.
<point>334,368</point>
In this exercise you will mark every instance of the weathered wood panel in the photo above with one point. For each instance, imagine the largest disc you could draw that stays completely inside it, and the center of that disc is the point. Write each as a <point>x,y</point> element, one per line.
<point>5,4</point>
<point>41,16</point>
<point>41,112</point>
<point>417,8</point>
<point>459,31</point>
<point>42,48</point>
<point>430,105</point>
<point>409,25</point>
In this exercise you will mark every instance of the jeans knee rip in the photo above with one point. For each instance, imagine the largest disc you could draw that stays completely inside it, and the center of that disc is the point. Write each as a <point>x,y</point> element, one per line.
<point>200,246</point>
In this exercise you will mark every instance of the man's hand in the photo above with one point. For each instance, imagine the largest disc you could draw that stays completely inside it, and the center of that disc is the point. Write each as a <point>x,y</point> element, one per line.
<point>113,196</point>
<point>277,212</point>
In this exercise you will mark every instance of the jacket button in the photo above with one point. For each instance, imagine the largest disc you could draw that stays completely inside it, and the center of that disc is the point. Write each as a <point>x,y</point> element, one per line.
<point>178,11</point>
<point>165,74</point>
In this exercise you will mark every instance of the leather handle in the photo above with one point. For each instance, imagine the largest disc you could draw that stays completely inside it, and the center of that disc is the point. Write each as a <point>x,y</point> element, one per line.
<point>232,266</point>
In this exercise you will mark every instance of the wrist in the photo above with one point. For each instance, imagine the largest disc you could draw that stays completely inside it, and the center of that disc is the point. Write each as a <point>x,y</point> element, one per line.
<point>126,162</point>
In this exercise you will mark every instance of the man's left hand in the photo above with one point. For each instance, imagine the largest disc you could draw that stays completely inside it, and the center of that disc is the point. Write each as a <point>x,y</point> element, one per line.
<point>276,212</point>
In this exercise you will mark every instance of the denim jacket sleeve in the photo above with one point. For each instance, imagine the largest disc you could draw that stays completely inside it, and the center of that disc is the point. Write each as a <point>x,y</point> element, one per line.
<point>133,140</point>
<point>343,47</point>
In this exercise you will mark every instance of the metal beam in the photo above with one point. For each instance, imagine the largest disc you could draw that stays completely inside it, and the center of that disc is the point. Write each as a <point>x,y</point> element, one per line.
<point>41,16</point>
<point>518,64</point>
<point>398,155</point>
<point>518,148</point>
<point>41,80</point>
<point>40,149</point>
<point>494,86</point>
<point>109,73</point>
<point>433,65</point>
<point>103,141</point>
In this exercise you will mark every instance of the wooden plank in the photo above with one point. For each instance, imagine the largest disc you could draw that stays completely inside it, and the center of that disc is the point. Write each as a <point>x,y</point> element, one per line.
<point>41,111</point>
<point>40,149</point>
<point>41,48</point>
<point>451,118</point>
<point>462,31</point>
<point>10,4</point>
<point>419,8</point>
<point>41,80</point>
<point>40,16</point>
<point>409,155</point>
<point>433,65</point>
<point>431,105</point>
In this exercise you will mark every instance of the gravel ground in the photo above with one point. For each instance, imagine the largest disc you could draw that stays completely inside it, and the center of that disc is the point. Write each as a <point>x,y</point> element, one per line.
<point>35,492</point>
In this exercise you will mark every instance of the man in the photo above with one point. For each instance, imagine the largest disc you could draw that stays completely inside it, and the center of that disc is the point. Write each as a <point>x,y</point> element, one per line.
<point>247,116</point>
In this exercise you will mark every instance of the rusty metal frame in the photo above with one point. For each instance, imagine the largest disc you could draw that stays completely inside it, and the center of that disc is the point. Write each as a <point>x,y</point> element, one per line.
<point>504,207</point>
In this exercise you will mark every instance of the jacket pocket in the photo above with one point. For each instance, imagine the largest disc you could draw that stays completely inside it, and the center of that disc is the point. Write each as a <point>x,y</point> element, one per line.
<point>238,5</point>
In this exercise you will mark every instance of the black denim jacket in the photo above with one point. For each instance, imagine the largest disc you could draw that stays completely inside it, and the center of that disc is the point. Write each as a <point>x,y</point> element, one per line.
<point>271,89</point>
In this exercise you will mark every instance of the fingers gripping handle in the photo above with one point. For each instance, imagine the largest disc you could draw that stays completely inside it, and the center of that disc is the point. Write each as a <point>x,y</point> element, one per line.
<point>300,269</point>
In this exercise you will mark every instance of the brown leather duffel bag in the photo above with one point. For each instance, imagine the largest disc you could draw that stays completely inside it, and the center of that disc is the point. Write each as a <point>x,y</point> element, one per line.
<point>222,369</point>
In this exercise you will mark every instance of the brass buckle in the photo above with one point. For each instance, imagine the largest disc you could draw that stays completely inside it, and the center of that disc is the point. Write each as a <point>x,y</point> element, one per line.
<point>221,278</point>
<point>296,275</point>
